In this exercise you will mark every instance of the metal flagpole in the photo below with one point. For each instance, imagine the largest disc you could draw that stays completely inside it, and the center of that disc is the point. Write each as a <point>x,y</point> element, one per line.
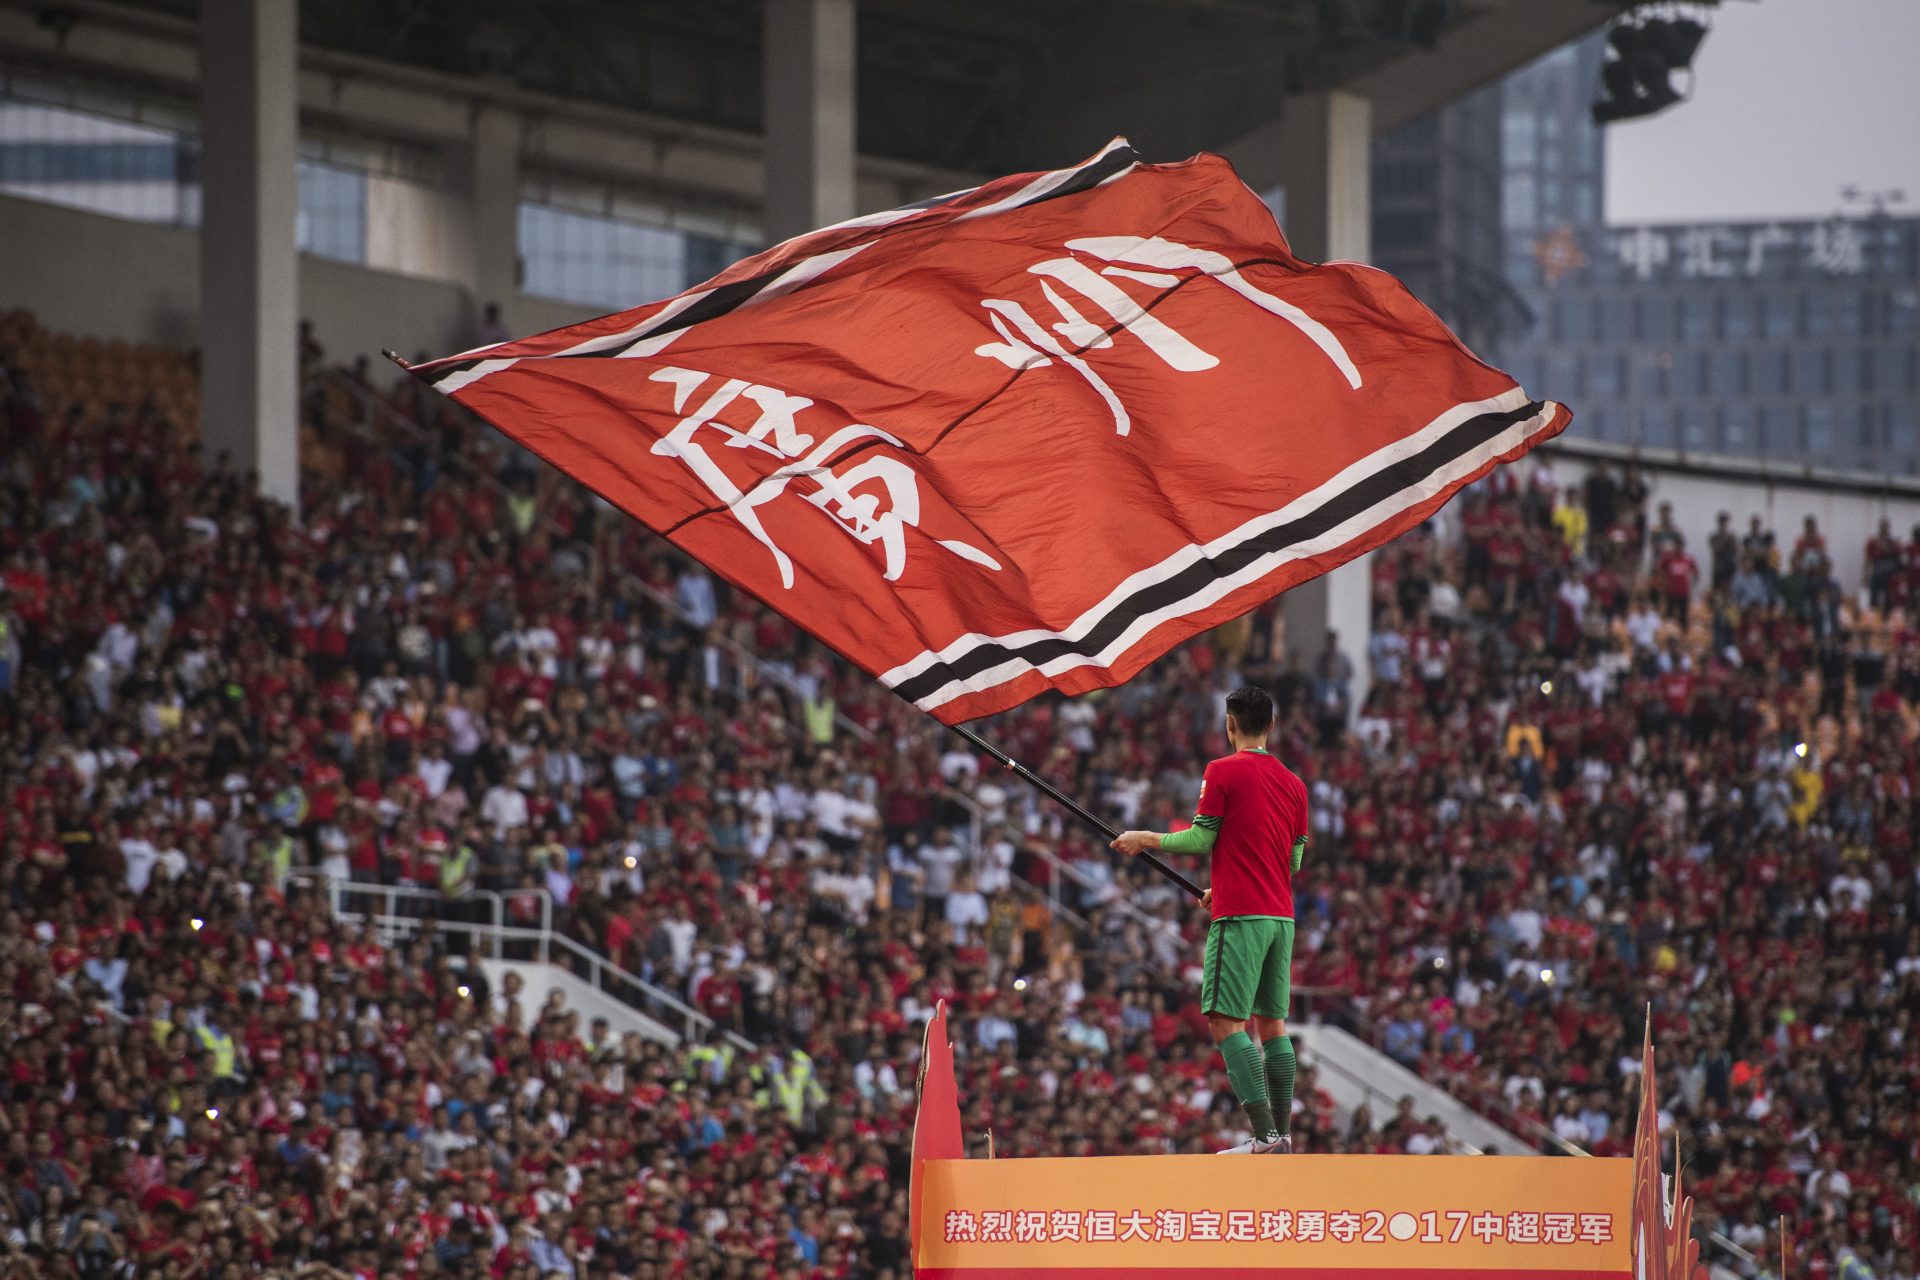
<point>1034,780</point>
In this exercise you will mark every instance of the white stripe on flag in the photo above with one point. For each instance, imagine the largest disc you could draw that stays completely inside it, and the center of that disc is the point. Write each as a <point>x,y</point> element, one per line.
<point>1041,185</point>
<point>1219,588</point>
<point>466,377</point>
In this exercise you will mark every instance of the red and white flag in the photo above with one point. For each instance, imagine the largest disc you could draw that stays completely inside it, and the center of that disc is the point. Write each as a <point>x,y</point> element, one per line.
<point>1021,437</point>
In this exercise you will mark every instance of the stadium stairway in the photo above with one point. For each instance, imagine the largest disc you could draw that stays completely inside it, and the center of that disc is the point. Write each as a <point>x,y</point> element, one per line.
<point>1356,1074</point>
<point>480,927</point>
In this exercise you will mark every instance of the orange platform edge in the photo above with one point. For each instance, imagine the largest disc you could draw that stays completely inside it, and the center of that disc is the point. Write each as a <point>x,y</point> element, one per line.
<point>1360,1217</point>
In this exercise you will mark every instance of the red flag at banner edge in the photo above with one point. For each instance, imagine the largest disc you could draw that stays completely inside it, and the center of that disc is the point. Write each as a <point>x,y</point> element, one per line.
<point>955,703</point>
<point>936,1120</point>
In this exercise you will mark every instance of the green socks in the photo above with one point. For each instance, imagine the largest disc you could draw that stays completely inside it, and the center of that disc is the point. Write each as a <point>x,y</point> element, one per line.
<point>1280,1068</point>
<point>1247,1072</point>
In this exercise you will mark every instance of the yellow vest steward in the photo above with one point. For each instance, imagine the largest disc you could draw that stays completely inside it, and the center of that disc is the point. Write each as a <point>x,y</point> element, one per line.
<point>225,1057</point>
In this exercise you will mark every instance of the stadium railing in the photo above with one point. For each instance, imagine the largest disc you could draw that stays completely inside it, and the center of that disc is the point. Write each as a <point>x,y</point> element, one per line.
<point>481,919</point>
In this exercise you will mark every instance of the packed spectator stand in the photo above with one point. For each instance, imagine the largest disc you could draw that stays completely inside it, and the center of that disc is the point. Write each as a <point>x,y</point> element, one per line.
<point>1597,770</point>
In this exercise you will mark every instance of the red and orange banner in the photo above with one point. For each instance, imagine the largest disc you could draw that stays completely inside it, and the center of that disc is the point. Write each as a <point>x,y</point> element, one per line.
<point>1215,1216</point>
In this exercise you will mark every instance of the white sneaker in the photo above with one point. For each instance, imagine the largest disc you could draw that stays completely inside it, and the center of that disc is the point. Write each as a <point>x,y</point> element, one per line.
<point>1255,1147</point>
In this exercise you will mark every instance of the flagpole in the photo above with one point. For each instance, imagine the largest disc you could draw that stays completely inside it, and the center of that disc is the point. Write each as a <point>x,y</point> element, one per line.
<point>1072,806</point>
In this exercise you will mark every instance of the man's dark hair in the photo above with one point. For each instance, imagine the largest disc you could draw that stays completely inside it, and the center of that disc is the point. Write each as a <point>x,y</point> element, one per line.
<point>1251,709</point>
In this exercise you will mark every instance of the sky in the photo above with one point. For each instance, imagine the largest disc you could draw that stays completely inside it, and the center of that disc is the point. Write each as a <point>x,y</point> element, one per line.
<point>1792,100</point>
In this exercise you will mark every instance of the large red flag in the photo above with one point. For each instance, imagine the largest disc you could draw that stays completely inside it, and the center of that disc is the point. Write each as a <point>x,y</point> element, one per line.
<point>1026,436</point>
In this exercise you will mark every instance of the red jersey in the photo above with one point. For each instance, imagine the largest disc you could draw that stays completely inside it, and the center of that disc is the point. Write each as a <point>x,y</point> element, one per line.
<point>1262,808</point>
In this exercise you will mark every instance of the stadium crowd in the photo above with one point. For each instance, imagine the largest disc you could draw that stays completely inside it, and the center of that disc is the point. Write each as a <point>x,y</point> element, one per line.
<point>1589,775</point>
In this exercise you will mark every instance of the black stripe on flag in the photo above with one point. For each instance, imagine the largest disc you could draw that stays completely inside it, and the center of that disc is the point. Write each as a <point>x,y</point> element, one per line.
<point>1343,506</point>
<point>1089,177</point>
<point>731,297</point>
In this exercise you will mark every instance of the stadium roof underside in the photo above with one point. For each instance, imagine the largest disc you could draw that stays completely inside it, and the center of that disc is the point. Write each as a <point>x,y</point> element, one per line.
<point>668,93</point>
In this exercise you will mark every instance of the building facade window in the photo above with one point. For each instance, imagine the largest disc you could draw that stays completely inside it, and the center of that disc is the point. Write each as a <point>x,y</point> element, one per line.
<point>1780,315</point>
<point>1817,418</point>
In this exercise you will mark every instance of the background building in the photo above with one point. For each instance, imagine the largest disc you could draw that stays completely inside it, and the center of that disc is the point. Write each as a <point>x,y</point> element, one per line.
<point>1794,342</point>
<point>1553,162</point>
<point>1436,215</point>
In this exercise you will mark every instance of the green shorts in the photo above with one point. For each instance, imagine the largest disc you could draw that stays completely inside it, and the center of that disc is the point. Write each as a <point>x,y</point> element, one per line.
<point>1249,967</point>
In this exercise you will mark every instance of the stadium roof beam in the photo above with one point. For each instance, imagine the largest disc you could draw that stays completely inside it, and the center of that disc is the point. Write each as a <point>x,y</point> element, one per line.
<point>155,54</point>
<point>1497,37</point>
<point>668,96</point>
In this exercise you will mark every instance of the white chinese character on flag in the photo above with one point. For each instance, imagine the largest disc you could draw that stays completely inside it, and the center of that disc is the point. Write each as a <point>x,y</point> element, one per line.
<point>1276,1225</point>
<point>1344,1226</point>
<point>1596,1228</point>
<point>1240,1226</point>
<point>1206,1225</point>
<point>1032,1226</point>
<point>1064,1224</point>
<point>1170,1224</point>
<point>1489,1227</point>
<point>1559,1228</point>
<point>996,1226</point>
<point>961,1227</point>
<point>872,501</point>
<point>1310,1226</point>
<point>1102,1224</point>
<point>1136,1224</point>
<point>1523,1228</point>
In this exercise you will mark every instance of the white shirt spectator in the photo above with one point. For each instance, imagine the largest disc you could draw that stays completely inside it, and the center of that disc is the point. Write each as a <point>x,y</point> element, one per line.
<point>1850,892</point>
<point>956,765</point>
<point>855,889</point>
<point>1824,1184</point>
<point>1423,1143</point>
<point>463,731</point>
<point>1594,680</point>
<point>680,936</point>
<point>966,911</point>
<point>995,865</point>
<point>504,808</point>
<point>1643,627</point>
<point>1575,595</point>
<point>830,807</point>
<point>434,772</point>
<point>141,857</point>
<point>1527,924</point>
<point>541,644</point>
<point>938,862</point>
<point>992,1031</point>
<point>693,592</point>
<point>119,645</point>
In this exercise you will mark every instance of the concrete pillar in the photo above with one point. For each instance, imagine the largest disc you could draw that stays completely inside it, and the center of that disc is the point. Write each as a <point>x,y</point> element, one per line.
<point>809,80</point>
<point>484,223</point>
<point>1322,151</point>
<point>249,258</point>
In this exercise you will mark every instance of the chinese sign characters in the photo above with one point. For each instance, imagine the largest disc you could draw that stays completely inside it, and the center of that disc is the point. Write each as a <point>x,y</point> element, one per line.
<point>1743,251</point>
<point>1273,1226</point>
<point>1320,1215</point>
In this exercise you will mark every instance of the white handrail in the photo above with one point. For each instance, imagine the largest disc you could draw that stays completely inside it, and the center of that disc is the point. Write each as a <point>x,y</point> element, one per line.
<point>496,930</point>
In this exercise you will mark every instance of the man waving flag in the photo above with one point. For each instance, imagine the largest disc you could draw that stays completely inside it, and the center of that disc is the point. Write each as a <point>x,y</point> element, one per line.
<point>1253,820</point>
<point>1027,436</point>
